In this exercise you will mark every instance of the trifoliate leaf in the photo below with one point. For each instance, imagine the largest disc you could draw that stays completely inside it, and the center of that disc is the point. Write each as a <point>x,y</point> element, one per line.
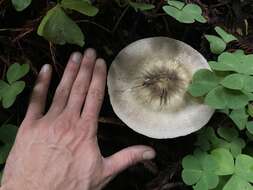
<point>80,6</point>
<point>220,66</point>
<point>239,117</point>
<point>238,82</point>
<point>178,14</point>
<point>16,72</point>
<point>244,167</point>
<point>234,81</point>
<point>203,81</point>
<point>220,98</point>
<point>11,92</point>
<point>225,161</point>
<point>233,142</point>
<point>21,5</point>
<point>225,36</point>
<point>193,171</point>
<point>199,170</point>
<point>193,10</point>
<point>217,45</point>
<point>229,134</point>
<point>58,28</point>
<point>3,87</point>
<point>236,183</point>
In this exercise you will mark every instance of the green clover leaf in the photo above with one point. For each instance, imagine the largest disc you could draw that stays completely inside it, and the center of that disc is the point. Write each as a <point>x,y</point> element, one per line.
<point>9,92</point>
<point>203,81</point>
<point>207,139</point>
<point>225,36</point>
<point>228,138</point>
<point>16,72</point>
<point>58,28</point>
<point>232,141</point>
<point>21,5</point>
<point>80,6</point>
<point>184,13</point>
<point>238,82</point>
<point>217,45</point>
<point>243,175</point>
<point>177,4</point>
<point>250,110</point>
<point>225,161</point>
<point>249,127</point>
<point>198,170</point>
<point>141,6</point>
<point>239,117</point>
<point>221,98</point>
<point>234,62</point>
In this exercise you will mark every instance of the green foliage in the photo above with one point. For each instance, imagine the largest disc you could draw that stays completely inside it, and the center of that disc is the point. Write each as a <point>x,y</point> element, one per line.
<point>12,87</point>
<point>184,13</point>
<point>59,28</point>
<point>141,6</point>
<point>243,174</point>
<point>203,81</point>
<point>8,134</point>
<point>80,6</point>
<point>224,35</point>
<point>229,169</point>
<point>240,117</point>
<point>218,44</point>
<point>21,5</point>
<point>227,138</point>
<point>229,85</point>
<point>199,171</point>
<point>16,72</point>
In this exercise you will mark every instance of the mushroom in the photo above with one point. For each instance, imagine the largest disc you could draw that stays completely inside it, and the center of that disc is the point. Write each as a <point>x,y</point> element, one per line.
<point>147,84</point>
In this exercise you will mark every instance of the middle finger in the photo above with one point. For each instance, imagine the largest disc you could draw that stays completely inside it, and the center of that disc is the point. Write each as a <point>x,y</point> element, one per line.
<point>82,82</point>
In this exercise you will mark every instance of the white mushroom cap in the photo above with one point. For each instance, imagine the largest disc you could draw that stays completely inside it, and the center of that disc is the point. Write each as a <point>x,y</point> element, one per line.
<point>147,84</point>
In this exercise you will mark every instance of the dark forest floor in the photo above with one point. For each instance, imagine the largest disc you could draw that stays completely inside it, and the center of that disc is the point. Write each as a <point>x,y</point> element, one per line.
<point>108,32</point>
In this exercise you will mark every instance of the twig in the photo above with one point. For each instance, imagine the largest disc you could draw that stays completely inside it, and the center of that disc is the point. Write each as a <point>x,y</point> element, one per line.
<point>171,185</point>
<point>13,29</point>
<point>52,51</point>
<point>119,20</point>
<point>96,24</point>
<point>109,120</point>
<point>22,35</point>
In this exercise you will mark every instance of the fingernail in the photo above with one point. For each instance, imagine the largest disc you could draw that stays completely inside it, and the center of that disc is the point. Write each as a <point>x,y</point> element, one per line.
<point>149,154</point>
<point>76,57</point>
<point>90,52</point>
<point>45,68</point>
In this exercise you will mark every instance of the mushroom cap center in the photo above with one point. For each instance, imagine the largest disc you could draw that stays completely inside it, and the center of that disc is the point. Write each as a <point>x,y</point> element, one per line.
<point>163,86</point>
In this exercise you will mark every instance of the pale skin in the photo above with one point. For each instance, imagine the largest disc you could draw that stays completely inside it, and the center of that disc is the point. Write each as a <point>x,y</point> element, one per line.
<point>58,149</point>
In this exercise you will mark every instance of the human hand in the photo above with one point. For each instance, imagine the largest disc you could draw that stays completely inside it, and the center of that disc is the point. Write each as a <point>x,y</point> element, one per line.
<point>58,150</point>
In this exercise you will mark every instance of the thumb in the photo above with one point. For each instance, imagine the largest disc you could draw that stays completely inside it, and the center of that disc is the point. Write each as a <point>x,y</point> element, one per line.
<point>127,157</point>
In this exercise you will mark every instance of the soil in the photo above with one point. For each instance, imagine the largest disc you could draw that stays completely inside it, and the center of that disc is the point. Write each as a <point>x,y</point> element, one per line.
<point>108,32</point>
